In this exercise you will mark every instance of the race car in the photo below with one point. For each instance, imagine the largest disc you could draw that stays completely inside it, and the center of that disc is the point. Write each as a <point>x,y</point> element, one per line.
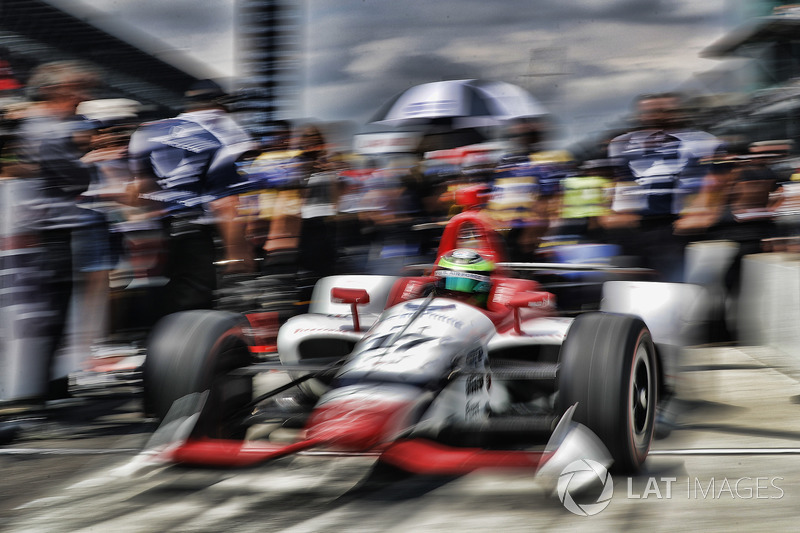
<point>466,366</point>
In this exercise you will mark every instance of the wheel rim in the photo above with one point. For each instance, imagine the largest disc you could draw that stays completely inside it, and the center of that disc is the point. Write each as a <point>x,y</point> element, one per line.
<point>641,397</point>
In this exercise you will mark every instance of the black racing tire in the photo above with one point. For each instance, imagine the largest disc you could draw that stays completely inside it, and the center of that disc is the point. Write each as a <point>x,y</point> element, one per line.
<point>608,366</point>
<point>194,351</point>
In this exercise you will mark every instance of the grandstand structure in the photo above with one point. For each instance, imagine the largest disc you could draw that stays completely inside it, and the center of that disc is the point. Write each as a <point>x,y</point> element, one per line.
<point>33,32</point>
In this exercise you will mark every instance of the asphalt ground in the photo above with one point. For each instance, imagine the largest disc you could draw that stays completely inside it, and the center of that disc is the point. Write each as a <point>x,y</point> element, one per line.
<point>57,441</point>
<point>730,463</point>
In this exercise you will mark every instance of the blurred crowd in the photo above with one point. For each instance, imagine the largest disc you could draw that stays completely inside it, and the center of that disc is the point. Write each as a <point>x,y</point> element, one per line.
<point>174,211</point>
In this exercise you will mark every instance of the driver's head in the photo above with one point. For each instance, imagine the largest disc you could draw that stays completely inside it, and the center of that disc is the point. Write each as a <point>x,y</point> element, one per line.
<point>464,274</point>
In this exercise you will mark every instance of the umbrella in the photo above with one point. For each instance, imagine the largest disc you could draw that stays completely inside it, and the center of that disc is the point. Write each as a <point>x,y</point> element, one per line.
<point>462,103</point>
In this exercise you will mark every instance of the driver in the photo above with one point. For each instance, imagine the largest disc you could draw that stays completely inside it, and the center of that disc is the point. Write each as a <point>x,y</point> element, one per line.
<point>464,275</point>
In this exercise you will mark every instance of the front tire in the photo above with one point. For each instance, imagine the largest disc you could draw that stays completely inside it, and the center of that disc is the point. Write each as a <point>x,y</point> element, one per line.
<point>195,351</point>
<point>608,367</point>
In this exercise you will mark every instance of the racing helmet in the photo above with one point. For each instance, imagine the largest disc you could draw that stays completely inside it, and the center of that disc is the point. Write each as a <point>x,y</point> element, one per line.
<point>464,271</point>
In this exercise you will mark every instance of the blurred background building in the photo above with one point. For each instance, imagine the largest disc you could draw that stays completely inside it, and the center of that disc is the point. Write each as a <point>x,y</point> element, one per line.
<point>135,66</point>
<point>755,91</point>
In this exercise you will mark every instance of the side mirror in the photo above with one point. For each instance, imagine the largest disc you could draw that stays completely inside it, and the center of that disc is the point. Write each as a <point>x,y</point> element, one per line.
<point>340,295</point>
<point>541,300</point>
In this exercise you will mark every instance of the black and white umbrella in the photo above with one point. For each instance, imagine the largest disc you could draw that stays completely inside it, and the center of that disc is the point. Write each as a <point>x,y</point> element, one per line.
<point>464,103</point>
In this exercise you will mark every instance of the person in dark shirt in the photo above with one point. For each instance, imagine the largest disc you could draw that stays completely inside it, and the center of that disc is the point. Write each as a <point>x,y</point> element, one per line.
<point>184,169</point>
<point>660,167</point>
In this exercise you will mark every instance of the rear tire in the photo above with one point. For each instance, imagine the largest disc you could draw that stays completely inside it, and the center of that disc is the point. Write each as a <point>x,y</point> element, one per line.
<point>194,351</point>
<point>608,367</point>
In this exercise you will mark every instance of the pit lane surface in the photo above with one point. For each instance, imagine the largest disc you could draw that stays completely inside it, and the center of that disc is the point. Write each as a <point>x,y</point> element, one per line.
<point>730,465</point>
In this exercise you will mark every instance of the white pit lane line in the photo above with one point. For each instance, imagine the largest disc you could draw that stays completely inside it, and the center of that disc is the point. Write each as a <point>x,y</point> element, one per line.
<point>69,451</point>
<point>654,453</point>
<point>725,451</point>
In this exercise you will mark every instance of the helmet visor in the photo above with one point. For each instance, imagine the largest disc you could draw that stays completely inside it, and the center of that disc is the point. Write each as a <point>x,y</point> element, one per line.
<point>468,282</point>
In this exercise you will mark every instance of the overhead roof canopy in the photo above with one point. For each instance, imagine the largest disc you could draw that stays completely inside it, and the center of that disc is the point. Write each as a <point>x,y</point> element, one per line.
<point>36,31</point>
<point>759,30</point>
